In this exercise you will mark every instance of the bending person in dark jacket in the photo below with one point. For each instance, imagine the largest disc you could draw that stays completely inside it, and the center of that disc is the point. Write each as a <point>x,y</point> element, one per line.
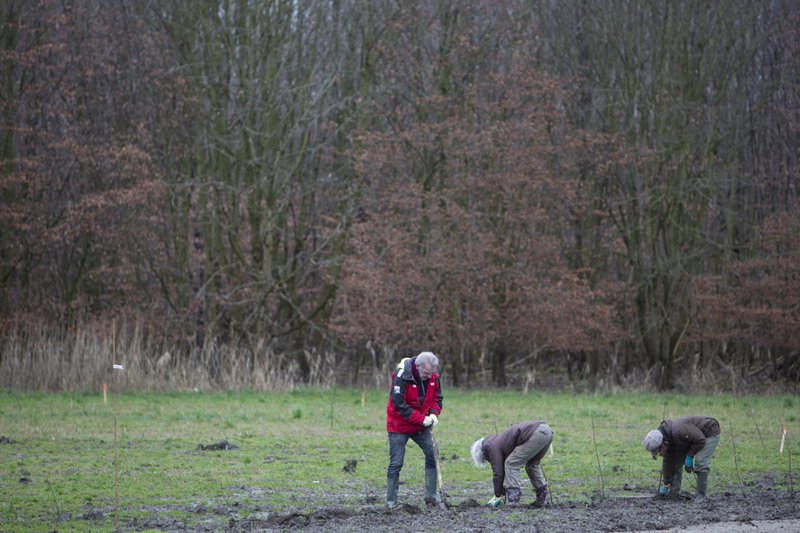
<point>687,442</point>
<point>415,403</point>
<point>520,445</point>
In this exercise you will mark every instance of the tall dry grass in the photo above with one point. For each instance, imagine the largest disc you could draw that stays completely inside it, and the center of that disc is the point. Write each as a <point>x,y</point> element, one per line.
<point>38,358</point>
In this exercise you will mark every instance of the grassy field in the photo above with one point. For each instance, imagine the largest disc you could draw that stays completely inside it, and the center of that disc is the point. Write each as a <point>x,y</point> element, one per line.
<point>59,473</point>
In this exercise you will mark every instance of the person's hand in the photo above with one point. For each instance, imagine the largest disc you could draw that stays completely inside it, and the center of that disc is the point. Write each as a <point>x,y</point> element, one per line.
<point>435,419</point>
<point>496,501</point>
<point>663,490</point>
<point>428,421</point>
<point>688,465</point>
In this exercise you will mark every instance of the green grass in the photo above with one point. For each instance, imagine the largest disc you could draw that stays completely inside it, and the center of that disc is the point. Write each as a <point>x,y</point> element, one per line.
<point>293,447</point>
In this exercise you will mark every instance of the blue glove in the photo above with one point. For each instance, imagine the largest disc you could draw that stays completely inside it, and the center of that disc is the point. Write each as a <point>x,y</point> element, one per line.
<point>689,464</point>
<point>663,490</point>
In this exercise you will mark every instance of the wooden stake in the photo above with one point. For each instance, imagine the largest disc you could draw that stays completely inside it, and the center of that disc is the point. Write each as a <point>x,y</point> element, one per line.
<point>363,398</point>
<point>438,470</point>
<point>105,393</point>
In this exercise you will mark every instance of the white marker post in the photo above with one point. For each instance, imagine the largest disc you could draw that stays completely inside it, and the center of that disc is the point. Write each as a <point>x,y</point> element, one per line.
<point>783,437</point>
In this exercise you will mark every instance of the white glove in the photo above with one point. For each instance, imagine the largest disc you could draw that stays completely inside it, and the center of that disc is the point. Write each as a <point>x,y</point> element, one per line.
<point>435,419</point>
<point>428,420</point>
<point>496,501</point>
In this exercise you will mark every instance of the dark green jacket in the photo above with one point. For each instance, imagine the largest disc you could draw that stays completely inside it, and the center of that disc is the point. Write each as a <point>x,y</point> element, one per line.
<point>682,437</point>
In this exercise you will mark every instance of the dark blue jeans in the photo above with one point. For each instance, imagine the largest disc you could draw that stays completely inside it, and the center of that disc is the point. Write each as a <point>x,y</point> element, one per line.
<point>397,450</point>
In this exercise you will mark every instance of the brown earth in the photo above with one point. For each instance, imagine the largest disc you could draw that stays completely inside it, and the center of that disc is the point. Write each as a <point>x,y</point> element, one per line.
<point>729,512</point>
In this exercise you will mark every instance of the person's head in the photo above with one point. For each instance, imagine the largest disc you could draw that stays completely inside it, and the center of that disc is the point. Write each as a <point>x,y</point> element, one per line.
<point>427,363</point>
<point>477,453</point>
<point>652,442</point>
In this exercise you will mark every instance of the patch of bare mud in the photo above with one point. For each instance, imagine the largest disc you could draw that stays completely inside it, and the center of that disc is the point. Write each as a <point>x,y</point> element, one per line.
<point>766,511</point>
<point>753,526</point>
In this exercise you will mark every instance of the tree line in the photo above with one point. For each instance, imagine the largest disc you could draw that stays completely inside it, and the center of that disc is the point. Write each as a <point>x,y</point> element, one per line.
<point>604,189</point>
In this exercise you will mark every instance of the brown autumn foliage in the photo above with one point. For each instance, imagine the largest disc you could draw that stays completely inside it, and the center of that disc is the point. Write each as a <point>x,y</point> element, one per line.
<point>463,245</point>
<point>519,186</point>
<point>83,174</point>
<point>755,305</point>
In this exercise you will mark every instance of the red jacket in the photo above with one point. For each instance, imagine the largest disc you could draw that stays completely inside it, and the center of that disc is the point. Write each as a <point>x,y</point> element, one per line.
<point>407,406</point>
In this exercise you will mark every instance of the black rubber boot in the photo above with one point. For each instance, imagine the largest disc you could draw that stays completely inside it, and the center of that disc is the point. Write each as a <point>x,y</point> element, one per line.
<point>513,496</point>
<point>702,485</point>
<point>392,483</point>
<point>541,497</point>
<point>432,497</point>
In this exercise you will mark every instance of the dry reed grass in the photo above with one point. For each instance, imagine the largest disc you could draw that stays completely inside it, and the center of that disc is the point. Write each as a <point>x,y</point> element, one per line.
<point>38,358</point>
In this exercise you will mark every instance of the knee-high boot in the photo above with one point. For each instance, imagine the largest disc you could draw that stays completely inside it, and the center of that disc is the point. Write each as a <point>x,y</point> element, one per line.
<point>431,494</point>
<point>702,485</point>
<point>392,483</point>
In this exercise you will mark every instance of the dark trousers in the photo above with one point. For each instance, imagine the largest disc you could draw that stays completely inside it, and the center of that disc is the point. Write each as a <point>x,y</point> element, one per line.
<point>397,450</point>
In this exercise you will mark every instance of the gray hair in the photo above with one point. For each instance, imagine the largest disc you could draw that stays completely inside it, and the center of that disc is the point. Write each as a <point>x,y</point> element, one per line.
<point>428,359</point>
<point>652,441</point>
<point>477,453</point>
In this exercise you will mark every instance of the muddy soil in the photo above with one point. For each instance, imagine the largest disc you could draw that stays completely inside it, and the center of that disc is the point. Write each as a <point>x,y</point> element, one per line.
<point>727,512</point>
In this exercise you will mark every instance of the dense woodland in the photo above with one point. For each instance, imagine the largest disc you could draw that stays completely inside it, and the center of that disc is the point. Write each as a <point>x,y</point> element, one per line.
<point>605,191</point>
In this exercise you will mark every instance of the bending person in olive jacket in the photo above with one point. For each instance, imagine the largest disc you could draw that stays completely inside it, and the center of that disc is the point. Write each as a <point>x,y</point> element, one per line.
<point>520,445</point>
<point>687,443</point>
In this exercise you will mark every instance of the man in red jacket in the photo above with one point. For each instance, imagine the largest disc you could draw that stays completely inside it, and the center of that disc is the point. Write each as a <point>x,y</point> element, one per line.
<point>520,445</point>
<point>415,403</point>
<point>687,443</point>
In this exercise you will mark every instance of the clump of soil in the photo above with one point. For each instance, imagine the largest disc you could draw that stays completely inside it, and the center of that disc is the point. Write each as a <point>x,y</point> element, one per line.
<point>221,445</point>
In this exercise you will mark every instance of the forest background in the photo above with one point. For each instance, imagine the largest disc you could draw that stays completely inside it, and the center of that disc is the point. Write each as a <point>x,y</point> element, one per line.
<point>261,194</point>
